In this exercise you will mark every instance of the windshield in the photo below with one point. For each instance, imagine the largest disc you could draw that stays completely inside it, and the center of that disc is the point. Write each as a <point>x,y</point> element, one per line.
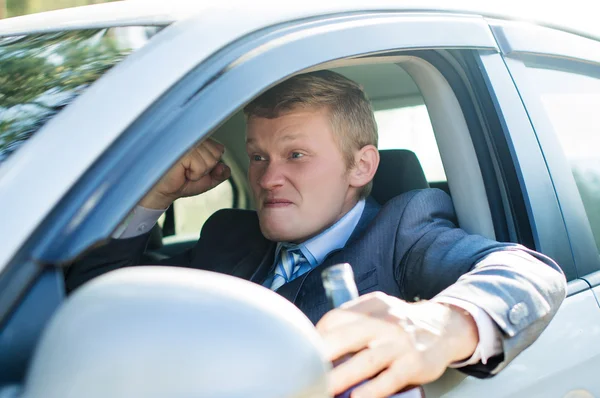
<point>41,74</point>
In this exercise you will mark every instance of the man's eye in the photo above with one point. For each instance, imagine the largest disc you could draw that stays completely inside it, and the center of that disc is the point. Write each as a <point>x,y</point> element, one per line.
<point>296,155</point>
<point>257,158</point>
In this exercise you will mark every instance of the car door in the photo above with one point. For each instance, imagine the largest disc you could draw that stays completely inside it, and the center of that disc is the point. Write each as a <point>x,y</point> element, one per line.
<point>540,216</point>
<point>557,80</point>
<point>203,88</point>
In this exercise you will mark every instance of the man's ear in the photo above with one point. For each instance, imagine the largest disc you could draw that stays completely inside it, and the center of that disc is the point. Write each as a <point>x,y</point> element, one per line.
<point>366,161</point>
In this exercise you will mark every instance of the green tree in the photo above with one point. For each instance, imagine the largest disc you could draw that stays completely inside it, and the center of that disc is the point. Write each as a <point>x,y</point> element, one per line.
<point>40,74</point>
<point>22,7</point>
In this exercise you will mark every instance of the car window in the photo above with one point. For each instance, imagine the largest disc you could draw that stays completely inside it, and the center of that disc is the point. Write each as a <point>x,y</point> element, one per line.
<point>400,112</point>
<point>191,213</point>
<point>570,100</point>
<point>402,120</point>
<point>410,128</point>
<point>40,74</point>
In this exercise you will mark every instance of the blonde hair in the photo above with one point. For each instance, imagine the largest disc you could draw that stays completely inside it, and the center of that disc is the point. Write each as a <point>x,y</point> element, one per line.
<point>350,111</point>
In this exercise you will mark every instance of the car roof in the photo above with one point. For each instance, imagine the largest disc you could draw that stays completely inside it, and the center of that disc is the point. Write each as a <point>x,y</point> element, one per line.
<point>576,18</point>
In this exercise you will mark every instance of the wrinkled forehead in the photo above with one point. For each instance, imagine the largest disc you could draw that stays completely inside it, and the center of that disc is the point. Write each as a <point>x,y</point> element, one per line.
<point>289,124</point>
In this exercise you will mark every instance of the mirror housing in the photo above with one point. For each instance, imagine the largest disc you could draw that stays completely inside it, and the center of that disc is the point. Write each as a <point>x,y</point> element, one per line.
<point>177,332</point>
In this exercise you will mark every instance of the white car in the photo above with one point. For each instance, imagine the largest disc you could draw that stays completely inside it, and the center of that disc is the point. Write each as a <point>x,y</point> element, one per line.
<point>96,103</point>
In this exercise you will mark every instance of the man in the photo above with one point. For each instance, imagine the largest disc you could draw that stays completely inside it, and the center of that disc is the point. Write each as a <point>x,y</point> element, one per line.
<point>312,145</point>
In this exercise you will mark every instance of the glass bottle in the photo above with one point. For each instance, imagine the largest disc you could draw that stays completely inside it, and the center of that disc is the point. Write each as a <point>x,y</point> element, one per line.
<point>340,287</point>
<point>338,281</point>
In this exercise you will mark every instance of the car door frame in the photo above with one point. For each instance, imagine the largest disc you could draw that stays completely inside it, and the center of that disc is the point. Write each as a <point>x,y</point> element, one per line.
<point>543,369</point>
<point>518,42</point>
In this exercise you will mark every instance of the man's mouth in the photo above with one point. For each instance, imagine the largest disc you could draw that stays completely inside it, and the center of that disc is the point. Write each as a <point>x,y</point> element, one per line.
<point>274,203</point>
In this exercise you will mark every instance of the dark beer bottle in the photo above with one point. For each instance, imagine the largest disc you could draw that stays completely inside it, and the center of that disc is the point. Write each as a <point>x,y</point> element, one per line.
<point>340,287</point>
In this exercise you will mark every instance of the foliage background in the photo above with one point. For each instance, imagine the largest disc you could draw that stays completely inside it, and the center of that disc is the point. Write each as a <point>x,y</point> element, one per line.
<point>13,8</point>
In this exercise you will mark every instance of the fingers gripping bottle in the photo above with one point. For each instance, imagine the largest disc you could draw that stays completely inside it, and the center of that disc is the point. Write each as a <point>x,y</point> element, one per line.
<point>340,287</point>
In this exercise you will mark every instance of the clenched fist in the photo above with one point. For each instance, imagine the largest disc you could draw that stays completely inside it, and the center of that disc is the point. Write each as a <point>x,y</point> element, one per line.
<point>198,171</point>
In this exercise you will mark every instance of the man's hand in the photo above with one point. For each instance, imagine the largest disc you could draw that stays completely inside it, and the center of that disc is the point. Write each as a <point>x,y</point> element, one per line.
<point>398,343</point>
<point>198,171</point>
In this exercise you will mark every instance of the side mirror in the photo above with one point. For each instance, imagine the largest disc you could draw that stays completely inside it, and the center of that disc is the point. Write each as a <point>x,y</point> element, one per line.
<point>176,332</point>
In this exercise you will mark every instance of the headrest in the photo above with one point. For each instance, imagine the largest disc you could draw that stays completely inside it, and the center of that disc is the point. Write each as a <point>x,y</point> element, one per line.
<point>399,171</point>
<point>158,332</point>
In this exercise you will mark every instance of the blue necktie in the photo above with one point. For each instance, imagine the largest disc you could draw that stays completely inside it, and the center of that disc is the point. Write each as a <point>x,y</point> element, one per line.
<point>292,263</point>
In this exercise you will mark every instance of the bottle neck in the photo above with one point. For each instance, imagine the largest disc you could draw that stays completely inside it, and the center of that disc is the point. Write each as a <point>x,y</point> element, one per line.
<point>339,284</point>
<point>339,296</point>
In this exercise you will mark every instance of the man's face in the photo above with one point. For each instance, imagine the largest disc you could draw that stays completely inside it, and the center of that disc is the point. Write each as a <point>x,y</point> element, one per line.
<point>298,175</point>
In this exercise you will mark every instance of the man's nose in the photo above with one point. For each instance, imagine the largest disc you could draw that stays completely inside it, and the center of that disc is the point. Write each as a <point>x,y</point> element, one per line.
<point>272,176</point>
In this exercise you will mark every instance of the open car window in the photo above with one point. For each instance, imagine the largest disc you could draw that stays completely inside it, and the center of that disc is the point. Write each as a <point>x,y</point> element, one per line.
<point>410,128</point>
<point>40,74</point>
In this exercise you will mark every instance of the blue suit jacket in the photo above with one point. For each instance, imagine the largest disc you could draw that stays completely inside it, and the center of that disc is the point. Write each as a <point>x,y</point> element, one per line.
<point>410,248</point>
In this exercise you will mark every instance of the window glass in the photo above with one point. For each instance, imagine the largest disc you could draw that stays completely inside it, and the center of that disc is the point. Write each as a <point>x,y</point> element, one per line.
<point>571,101</point>
<point>191,213</point>
<point>401,115</point>
<point>410,128</point>
<point>41,74</point>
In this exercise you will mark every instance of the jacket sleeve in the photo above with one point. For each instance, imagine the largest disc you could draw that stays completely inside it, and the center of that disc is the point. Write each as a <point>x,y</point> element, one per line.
<point>117,253</point>
<point>518,288</point>
<point>120,253</point>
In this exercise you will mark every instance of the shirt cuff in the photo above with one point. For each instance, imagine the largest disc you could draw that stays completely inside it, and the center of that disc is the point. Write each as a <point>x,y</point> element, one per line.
<point>490,336</point>
<point>140,221</point>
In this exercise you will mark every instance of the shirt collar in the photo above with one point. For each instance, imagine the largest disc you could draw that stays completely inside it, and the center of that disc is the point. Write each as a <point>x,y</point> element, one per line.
<point>335,237</point>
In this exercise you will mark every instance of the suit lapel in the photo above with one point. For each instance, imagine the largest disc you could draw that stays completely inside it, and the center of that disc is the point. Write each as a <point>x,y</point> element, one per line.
<point>256,262</point>
<point>369,212</point>
<point>290,290</point>
<point>266,262</point>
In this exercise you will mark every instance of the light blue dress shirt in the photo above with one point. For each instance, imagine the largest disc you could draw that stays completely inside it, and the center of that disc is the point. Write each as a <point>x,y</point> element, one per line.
<point>316,249</point>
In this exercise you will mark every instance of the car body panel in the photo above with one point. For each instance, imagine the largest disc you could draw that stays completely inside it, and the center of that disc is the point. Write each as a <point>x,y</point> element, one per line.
<point>19,335</point>
<point>262,13</point>
<point>563,359</point>
<point>518,38</point>
<point>594,281</point>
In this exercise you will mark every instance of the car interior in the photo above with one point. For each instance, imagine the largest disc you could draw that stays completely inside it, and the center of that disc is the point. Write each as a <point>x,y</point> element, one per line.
<point>423,142</point>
